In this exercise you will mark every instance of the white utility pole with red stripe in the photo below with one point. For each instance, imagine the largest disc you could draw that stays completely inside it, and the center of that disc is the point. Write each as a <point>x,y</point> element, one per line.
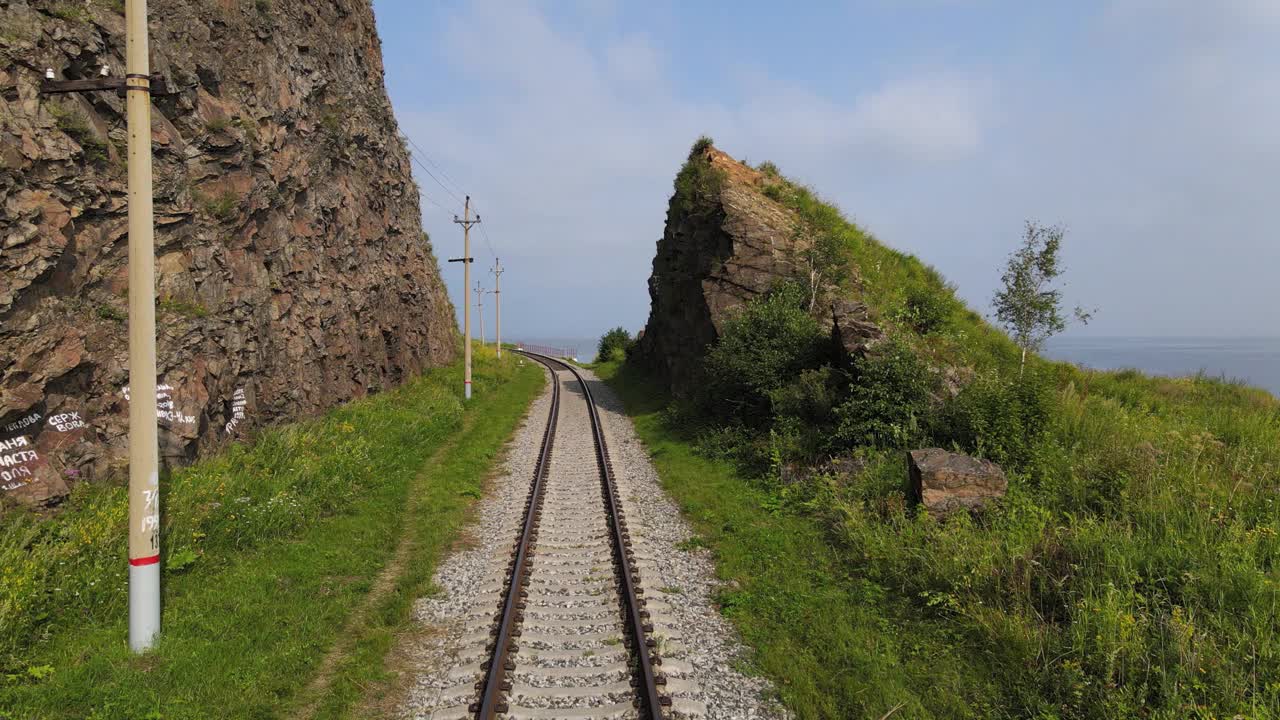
<point>144,454</point>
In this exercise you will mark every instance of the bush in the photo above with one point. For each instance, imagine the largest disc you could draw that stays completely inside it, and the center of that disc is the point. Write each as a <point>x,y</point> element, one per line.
<point>701,145</point>
<point>772,340</point>
<point>613,345</point>
<point>998,418</point>
<point>928,309</point>
<point>811,397</point>
<point>888,399</point>
<point>698,183</point>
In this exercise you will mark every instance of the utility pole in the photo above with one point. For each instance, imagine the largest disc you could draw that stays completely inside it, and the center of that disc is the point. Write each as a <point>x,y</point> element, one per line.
<point>144,455</point>
<point>138,86</point>
<point>480,310</point>
<point>466,222</point>
<point>497,300</point>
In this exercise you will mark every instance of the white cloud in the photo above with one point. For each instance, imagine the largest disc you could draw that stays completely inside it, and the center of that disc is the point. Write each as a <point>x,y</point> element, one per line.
<point>572,148</point>
<point>923,116</point>
<point>1154,142</point>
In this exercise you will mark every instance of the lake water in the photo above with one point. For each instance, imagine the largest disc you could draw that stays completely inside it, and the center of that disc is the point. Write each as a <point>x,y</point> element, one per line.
<point>1253,360</point>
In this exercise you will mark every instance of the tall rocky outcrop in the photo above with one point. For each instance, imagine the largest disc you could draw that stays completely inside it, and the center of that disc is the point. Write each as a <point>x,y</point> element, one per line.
<point>726,242</point>
<point>292,270</point>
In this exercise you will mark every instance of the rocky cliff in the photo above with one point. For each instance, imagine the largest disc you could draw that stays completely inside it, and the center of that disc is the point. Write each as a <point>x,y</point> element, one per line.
<point>726,241</point>
<point>292,270</point>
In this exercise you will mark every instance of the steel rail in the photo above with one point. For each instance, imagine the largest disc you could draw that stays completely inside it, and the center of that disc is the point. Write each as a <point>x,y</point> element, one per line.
<point>494,683</point>
<point>636,616</point>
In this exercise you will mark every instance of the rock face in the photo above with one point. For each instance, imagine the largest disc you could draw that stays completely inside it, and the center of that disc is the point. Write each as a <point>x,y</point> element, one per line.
<point>944,481</point>
<point>292,270</point>
<point>720,249</point>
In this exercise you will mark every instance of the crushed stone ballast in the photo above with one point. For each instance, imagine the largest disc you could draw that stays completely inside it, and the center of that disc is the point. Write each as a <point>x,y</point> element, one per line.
<point>558,596</point>
<point>575,575</point>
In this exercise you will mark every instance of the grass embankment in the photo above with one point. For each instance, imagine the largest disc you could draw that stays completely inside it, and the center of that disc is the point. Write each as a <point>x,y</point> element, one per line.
<point>1132,574</point>
<point>290,562</point>
<point>1132,570</point>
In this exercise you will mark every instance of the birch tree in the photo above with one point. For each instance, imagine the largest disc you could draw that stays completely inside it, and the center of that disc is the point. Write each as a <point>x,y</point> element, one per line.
<point>1028,305</point>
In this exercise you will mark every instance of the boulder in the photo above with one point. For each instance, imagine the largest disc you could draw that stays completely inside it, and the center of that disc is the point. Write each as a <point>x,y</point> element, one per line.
<point>945,481</point>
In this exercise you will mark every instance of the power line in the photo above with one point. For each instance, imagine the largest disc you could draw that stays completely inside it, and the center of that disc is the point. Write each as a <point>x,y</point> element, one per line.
<point>432,200</point>
<point>487,242</point>
<point>483,231</point>
<point>433,177</point>
<point>430,174</point>
<point>434,164</point>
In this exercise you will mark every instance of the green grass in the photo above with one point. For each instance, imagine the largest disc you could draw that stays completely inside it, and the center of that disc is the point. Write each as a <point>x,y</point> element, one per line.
<point>835,646</point>
<point>179,306</point>
<point>893,283</point>
<point>222,206</point>
<point>70,12</point>
<point>1131,572</point>
<point>72,121</point>
<point>107,312</point>
<point>281,541</point>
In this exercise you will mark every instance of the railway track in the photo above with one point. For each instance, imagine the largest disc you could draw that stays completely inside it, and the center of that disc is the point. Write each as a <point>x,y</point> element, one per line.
<point>571,635</point>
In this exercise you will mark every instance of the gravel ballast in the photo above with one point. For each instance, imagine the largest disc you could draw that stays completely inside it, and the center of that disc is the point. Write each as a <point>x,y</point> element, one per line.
<point>571,663</point>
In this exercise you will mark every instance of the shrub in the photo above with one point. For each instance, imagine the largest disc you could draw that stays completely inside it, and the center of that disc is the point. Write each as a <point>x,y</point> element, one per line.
<point>811,397</point>
<point>773,339</point>
<point>700,146</point>
<point>928,309</point>
<point>331,123</point>
<point>888,399</point>
<point>698,182</point>
<point>998,418</point>
<point>222,206</point>
<point>107,312</point>
<point>613,345</point>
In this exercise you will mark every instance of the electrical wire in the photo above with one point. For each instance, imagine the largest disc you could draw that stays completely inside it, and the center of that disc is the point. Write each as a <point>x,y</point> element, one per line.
<point>435,165</point>
<point>484,232</point>
<point>432,175</point>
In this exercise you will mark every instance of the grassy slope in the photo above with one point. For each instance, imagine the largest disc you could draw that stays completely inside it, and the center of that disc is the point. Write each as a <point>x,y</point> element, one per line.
<point>833,646</point>
<point>1133,571</point>
<point>284,538</point>
<point>855,607</point>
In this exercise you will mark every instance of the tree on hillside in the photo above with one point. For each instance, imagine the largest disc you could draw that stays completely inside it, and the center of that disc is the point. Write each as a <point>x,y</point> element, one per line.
<point>824,261</point>
<point>1029,306</point>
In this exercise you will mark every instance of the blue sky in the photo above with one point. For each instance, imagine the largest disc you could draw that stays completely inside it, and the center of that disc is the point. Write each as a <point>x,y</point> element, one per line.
<point>1149,128</point>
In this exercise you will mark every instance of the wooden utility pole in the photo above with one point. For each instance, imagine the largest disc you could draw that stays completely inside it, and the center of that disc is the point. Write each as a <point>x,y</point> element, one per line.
<point>466,222</point>
<point>497,300</point>
<point>144,455</point>
<point>138,86</point>
<point>480,310</point>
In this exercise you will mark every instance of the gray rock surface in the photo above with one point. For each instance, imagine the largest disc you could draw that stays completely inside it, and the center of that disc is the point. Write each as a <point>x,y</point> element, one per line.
<point>717,253</point>
<point>945,481</point>
<point>292,270</point>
